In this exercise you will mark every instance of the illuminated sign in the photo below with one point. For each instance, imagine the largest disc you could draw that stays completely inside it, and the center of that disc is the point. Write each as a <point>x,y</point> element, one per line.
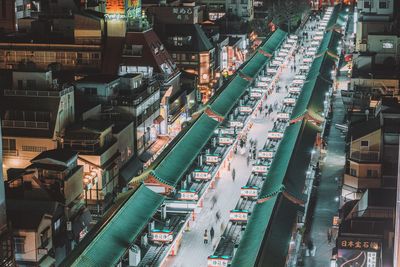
<point>362,244</point>
<point>294,90</point>
<point>260,169</point>
<point>298,82</point>
<point>287,45</point>
<point>225,131</point>
<point>245,109</point>
<point>266,154</point>
<point>304,67</point>
<point>272,70</point>
<point>291,41</point>
<point>182,13</point>
<point>249,191</point>
<point>280,59</point>
<point>218,261</point>
<point>282,54</point>
<point>285,50</point>
<point>187,195</point>
<point>274,135</point>
<point>276,62</point>
<point>262,84</point>
<point>203,175</point>
<point>293,37</point>
<point>225,140</point>
<point>238,215</point>
<point>289,101</point>
<point>255,94</point>
<point>265,78</point>
<point>212,159</point>
<point>237,124</point>
<point>299,77</point>
<point>115,7</point>
<point>164,236</point>
<point>307,60</point>
<point>282,116</point>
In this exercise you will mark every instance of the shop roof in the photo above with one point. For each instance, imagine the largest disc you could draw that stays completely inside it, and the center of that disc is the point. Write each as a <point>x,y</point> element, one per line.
<point>311,99</point>
<point>173,166</point>
<point>112,241</point>
<point>225,101</point>
<point>275,245</point>
<point>252,239</point>
<point>254,65</point>
<point>280,164</point>
<point>330,42</point>
<point>359,130</point>
<point>334,16</point>
<point>274,41</point>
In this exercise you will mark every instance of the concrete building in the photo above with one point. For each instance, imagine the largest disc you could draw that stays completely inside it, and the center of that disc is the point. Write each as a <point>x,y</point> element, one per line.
<point>103,147</point>
<point>35,111</point>
<point>6,251</point>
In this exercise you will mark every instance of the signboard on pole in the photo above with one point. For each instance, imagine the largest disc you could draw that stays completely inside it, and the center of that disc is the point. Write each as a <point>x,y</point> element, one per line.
<point>211,159</point>
<point>238,215</point>
<point>282,116</point>
<point>164,236</point>
<point>275,135</point>
<point>262,169</point>
<point>249,191</point>
<point>188,195</point>
<point>245,109</point>
<point>218,261</point>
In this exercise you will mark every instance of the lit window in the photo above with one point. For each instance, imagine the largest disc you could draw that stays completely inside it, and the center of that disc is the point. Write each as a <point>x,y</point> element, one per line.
<point>19,244</point>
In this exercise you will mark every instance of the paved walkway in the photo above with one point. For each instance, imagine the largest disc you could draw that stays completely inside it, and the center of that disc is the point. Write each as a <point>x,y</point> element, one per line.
<point>328,194</point>
<point>193,252</point>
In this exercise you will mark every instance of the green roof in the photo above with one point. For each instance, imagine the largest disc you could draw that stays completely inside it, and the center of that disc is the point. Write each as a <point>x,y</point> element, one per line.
<point>296,173</point>
<point>311,98</point>
<point>275,245</point>
<point>111,243</point>
<point>330,42</point>
<point>230,95</point>
<point>277,172</point>
<point>250,243</point>
<point>274,41</point>
<point>254,64</point>
<point>171,169</point>
<point>334,17</point>
<point>322,66</point>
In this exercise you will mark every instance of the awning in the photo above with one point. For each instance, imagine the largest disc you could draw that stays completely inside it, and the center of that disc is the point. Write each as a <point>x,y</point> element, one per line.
<point>81,225</point>
<point>131,169</point>
<point>273,42</point>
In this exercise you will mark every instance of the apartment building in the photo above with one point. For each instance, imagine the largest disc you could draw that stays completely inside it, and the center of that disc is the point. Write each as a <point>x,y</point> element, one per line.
<point>35,111</point>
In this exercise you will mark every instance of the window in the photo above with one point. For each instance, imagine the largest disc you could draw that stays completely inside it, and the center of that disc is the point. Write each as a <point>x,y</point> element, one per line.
<point>44,237</point>
<point>31,84</point>
<point>353,172</point>
<point>34,148</point>
<point>364,143</point>
<point>20,84</point>
<point>90,91</point>
<point>383,4</point>
<point>19,244</point>
<point>194,57</point>
<point>173,55</point>
<point>367,4</point>
<point>9,144</point>
<point>372,173</point>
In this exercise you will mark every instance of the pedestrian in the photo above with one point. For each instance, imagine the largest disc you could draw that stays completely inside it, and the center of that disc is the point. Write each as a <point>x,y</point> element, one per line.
<point>248,160</point>
<point>212,233</point>
<point>310,247</point>
<point>233,174</point>
<point>329,235</point>
<point>217,215</point>
<point>205,237</point>
<point>213,200</point>
<point>222,228</point>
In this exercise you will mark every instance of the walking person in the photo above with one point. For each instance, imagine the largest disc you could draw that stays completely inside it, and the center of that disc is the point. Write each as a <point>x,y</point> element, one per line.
<point>212,233</point>
<point>329,235</point>
<point>233,174</point>
<point>205,237</point>
<point>217,215</point>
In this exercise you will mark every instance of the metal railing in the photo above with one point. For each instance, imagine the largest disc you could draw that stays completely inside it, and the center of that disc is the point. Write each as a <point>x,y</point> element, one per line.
<point>365,155</point>
<point>25,124</point>
<point>39,93</point>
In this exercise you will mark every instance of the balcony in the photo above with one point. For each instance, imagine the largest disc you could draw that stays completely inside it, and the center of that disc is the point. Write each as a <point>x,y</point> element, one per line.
<point>367,156</point>
<point>39,125</point>
<point>40,93</point>
<point>362,182</point>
